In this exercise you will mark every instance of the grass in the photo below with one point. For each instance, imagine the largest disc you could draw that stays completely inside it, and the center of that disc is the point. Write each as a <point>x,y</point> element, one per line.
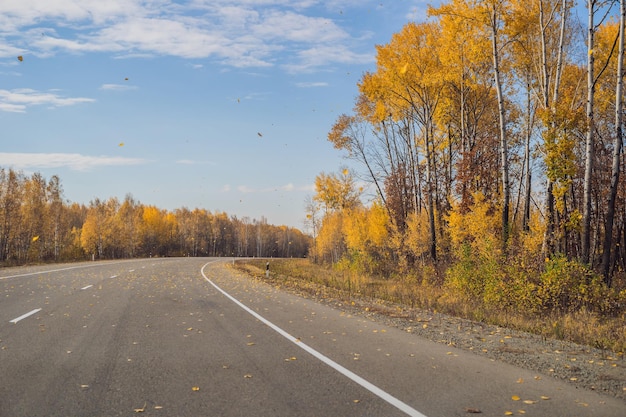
<point>407,292</point>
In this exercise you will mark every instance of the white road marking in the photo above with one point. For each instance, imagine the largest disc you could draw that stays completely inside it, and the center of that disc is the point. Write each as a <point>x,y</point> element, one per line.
<point>23,316</point>
<point>400,405</point>
<point>60,269</point>
<point>87,287</point>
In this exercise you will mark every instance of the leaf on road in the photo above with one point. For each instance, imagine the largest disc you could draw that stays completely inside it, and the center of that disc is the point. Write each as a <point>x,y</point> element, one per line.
<point>543,397</point>
<point>84,386</point>
<point>473,410</point>
<point>158,407</point>
<point>141,410</point>
<point>251,344</point>
<point>530,402</point>
<point>520,381</point>
<point>508,413</point>
<point>195,388</point>
<point>515,398</point>
<point>247,376</point>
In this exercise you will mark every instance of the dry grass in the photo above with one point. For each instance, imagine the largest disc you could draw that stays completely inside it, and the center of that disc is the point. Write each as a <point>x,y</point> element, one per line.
<point>415,292</point>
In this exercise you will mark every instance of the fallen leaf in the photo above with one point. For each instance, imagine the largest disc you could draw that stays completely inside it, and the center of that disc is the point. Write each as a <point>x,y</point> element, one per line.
<point>515,398</point>
<point>141,410</point>
<point>195,388</point>
<point>530,402</point>
<point>543,397</point>
<point>158,407</point>
<point>473,410</point>
<point>520,381</point>
<point>508,413</point>
<point>247,376</point>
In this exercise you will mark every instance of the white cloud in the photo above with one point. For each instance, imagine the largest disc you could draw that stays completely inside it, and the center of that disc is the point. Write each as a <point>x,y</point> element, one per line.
<point>72,161</point>
<point>18,100</point>
<point>117,87</point>
<point>239,33</point>
<point>312,84</point>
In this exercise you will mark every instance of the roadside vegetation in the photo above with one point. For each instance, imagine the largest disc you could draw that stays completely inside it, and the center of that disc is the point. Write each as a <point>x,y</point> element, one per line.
<point>550,310</point>
<point>38,225</point>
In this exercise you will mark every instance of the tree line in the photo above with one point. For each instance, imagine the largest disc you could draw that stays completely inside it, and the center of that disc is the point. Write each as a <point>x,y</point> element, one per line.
<point>492,138</point>
<point>38,225</point>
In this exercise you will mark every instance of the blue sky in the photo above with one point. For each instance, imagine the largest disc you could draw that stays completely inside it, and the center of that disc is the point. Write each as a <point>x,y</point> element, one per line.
<point>216,104</point>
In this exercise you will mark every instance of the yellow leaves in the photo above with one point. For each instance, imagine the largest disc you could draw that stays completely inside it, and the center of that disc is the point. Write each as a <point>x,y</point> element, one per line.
<point>35,238</point>
<point>20,58</point>
<point>195,388</point>
<point>404,68</point>
<point>515,398</point>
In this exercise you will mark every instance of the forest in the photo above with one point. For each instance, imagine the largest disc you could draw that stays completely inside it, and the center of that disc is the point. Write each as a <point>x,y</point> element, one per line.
<point>38,225</point>
<point>488,143</point>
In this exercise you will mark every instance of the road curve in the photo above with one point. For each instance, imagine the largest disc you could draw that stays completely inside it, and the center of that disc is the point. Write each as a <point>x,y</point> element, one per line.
<point>192,337</point>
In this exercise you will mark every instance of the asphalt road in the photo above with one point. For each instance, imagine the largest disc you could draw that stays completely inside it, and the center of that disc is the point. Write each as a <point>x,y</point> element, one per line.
<point>191,337</point>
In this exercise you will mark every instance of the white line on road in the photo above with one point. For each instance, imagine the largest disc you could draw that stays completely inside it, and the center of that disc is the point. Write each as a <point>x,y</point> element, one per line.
<point>23,316</point>
<point>400,405</point>
<point>87,287</point>
<point>60,269</point>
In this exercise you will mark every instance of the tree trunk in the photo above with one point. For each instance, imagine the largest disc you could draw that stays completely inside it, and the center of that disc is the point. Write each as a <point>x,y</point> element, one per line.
<point>504,153</point>
<point>589,143</point>
<point>617,149</point>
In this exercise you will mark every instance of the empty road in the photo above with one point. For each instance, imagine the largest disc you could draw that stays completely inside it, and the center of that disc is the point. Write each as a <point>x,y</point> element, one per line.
<point>192,337</point>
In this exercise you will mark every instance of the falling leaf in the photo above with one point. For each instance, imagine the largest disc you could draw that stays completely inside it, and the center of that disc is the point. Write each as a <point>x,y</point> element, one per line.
<point>141,410</point>
<point>195,388</point>
<point>515,398</point>
<point>20,58</point>
<point>121,144</point>
<point>260,134</point>
<point>126,79</point>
